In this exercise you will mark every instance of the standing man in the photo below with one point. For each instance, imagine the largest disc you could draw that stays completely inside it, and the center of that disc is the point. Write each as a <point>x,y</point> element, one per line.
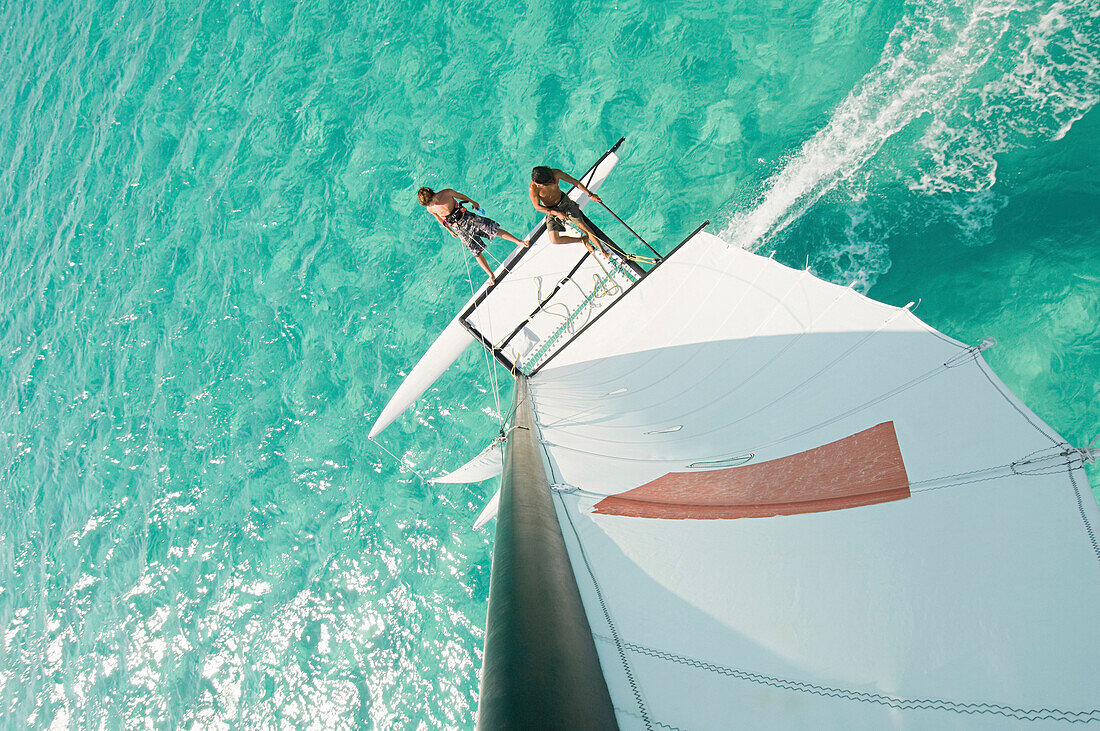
<point>472,229</point>
<point>548,197</point>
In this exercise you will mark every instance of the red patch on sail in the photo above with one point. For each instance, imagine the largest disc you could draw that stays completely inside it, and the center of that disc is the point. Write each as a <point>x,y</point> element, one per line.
<point>863,469</point>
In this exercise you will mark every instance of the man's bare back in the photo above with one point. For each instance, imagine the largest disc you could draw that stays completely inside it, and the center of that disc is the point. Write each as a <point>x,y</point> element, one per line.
<point>444,202</point>
<point>474,230</point>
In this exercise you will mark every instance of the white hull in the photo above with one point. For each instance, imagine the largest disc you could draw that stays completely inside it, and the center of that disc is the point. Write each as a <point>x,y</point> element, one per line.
<point>455,338</point>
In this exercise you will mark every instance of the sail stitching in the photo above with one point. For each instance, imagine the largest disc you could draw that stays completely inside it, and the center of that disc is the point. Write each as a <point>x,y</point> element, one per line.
<point>887,395</point>
<point>805,382</point>
<point>1023,714</point>
<point>950,341</point>
<point>1001,474</point>
<point>763,322</point>
<point>799,280</point>
<point>1011,403</point>
<point>850,412</point>
<point>720,366</point>
<point>759,327</point>
<point>1084,517</point>
<point>1069,459</point>
<point>655,722</point>
<point>607,617</point>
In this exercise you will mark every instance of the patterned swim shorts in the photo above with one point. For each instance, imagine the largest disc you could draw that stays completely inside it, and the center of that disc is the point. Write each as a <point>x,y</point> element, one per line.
<point>473,229</point>
<point>569,207</point>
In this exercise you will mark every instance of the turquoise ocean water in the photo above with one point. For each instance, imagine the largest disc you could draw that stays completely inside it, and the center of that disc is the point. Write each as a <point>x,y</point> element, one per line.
<point>213,272</point>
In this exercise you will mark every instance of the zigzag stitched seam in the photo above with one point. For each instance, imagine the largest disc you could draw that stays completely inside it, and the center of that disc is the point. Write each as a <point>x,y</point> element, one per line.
<point>1023,714</point>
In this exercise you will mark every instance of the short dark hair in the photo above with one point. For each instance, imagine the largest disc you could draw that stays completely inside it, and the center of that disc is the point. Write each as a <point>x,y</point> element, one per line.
<point>425,195</point>
<point>542,175</point>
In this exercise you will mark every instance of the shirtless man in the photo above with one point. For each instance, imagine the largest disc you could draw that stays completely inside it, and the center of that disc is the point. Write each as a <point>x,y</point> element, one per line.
<point>471,228</point>
<point>549,198</point>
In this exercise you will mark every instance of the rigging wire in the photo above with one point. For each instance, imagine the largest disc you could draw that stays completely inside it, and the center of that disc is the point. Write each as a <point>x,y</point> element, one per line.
<point>627,226</point>
<point>1090,455</point>
<point>407,465</point>
<point>402,463</point>
<point>485,353</point>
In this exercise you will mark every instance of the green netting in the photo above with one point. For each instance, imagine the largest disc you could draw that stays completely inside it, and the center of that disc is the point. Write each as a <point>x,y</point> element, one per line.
<point>549,342</point>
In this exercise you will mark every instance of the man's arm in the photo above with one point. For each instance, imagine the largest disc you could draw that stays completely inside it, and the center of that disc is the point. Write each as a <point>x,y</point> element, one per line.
<point>442,222</point>
<point>566,177</point>
<point>460,197</point>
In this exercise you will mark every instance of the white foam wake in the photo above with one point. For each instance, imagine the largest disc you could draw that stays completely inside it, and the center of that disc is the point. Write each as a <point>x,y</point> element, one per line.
<point>988,85</point>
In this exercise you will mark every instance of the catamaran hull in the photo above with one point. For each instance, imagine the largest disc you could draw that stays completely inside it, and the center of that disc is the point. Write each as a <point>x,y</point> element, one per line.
<point>455,338</point>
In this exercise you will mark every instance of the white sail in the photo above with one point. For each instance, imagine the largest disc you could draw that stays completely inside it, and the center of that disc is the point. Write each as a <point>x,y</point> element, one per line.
<point>488,463</point>
<point>790,506</point>
<point>787,505</point>
<point>489,511</point>
<point>546,260</point>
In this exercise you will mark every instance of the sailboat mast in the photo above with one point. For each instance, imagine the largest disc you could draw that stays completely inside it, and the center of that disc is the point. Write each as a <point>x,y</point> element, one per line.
<point>540,668</point>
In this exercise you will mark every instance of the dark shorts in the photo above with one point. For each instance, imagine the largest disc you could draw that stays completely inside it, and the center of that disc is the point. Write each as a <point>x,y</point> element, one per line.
<point>474,229</point>
<point>572,212</point>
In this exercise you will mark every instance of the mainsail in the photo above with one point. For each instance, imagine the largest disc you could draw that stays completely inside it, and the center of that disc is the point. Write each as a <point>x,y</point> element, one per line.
<point>790,506</point>
<point>786,505</point>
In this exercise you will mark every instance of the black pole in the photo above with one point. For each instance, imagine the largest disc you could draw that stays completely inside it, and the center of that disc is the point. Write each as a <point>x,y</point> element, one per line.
<point>540,668</point>
<point>612,245</point>
<point>614,302</point>
<point>534,235</point>
<point>498,353</point>
<point>624,223</point>
<point>547,298</point>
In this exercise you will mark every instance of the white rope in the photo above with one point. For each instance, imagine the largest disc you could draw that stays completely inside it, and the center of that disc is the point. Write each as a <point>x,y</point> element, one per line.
<point>606,287</point>
<point>485,353</point>
<point>403,464</point>
<point>607,277</point>
<point>1089,453</point>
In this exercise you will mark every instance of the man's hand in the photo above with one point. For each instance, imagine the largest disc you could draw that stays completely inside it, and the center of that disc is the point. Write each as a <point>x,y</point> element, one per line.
<point>595,197</point>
